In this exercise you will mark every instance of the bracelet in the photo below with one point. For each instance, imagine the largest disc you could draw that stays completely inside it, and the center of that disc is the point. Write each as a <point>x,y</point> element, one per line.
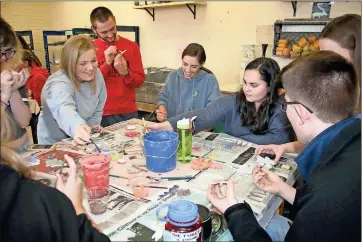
<point>6,104</point>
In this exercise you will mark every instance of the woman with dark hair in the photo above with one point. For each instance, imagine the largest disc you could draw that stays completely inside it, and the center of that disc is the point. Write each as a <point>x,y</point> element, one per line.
<point>13,90</point>
<point>253,114</point>
<point>188,88</point>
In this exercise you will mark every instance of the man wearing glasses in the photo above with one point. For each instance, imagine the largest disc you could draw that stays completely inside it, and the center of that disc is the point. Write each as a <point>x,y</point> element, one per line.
<point>322,92</point>
<point>120,62</point>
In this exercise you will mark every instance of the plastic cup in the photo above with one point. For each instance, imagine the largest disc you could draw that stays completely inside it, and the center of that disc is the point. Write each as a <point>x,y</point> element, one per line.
<point>95,168</point>
<point>97,200</point>
<point>139,185</point>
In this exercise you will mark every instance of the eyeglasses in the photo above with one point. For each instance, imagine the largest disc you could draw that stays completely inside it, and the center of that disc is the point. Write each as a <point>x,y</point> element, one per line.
<point>285,104</point>
<point>8,54</point>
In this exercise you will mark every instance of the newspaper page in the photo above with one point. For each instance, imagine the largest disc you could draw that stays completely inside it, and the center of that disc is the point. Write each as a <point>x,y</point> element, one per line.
<point>121,206</point>
<point>240,155</point>
<point>143,226</point>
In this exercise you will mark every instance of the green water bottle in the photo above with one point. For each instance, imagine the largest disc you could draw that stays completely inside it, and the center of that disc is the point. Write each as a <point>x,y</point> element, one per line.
<point>184,127</point>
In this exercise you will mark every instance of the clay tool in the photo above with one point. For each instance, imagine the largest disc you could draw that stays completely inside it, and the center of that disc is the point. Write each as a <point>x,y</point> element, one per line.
<point>116,176</point>
<point>144,123</point>
<point>98,149</point>
<point>121,52</point>
<point>172,178</point>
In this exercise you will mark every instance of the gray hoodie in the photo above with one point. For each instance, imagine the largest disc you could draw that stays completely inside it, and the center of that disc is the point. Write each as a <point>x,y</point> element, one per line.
<point>64,108</point>
<point>182,95</point>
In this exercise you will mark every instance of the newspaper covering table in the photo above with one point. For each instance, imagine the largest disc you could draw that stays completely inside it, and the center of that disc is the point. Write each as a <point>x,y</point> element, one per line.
<point>130,219</point>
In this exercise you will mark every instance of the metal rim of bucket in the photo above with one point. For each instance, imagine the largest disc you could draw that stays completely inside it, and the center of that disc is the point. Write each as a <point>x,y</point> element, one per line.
<point>160,157</point>
<point>145,137</point>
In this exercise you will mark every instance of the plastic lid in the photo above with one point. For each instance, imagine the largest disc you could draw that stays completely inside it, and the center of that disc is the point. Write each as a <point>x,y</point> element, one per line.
<point>183,123</point>
<point>183,211</point>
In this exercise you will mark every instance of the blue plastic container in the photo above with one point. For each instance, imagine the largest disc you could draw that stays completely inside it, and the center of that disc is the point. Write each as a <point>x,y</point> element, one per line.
<point>160,148</point>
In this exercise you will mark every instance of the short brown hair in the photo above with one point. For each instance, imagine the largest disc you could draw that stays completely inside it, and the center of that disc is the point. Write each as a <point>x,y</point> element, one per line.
<point>325,82</point>
<point>76,46</point>
<point>100,14</point>
<point>8,37</point>
<point>346,31</point>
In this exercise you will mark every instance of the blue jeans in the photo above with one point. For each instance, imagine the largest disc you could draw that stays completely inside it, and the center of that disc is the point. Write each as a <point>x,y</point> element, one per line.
<point>276,229</point>
<point>24,148</point>
<point>116,118</point>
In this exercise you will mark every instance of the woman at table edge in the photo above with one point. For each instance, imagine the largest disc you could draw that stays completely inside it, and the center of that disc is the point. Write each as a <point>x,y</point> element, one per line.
<point>33,211</point>
<point>254,114</point>
<point>343,36</point>
<point>73,97</point>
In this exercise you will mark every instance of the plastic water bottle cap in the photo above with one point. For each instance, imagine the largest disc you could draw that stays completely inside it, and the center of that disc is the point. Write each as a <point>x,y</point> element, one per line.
<point>184,212</point>
<point>185,123</point>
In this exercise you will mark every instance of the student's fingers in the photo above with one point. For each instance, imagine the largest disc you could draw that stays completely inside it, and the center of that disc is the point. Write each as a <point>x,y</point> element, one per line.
<point>209,193</point>
<point>72,166</point>
<point>60,184</point>
<point>230,189</point>
<point>79,141</point>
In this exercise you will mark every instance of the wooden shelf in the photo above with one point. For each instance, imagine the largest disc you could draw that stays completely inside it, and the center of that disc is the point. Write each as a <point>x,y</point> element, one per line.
<point>188,4</point>
<point>163,5</point>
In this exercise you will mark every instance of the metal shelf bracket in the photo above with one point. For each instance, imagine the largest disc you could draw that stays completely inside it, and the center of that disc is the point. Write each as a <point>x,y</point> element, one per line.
<point>192,11</point>
<point>294,5</point>
<point>152,14</point>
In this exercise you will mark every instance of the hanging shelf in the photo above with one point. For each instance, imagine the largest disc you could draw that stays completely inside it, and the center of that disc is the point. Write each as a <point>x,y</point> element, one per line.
<point>191,5</point>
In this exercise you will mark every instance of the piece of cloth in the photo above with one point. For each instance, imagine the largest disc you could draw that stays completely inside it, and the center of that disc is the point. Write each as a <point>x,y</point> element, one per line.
<point>307,159</point>
<point>31,211</point>
<point>225,110</point>
<point>121,90</point>
<point>36,82</point>
<point>64,108</point>
<point>17,130</point>
<point>181,95</point>
<point>328,207</point>
<point>113,119</point>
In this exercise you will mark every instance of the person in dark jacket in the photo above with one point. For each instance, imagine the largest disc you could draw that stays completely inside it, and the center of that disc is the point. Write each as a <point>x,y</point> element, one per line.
<point>33,211</point>
<point>321,96</point>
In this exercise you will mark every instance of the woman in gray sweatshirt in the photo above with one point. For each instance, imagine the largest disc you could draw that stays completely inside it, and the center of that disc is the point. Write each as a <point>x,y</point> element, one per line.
<point>188,88</point>
<point>73,97</point>
<point>254,114</point>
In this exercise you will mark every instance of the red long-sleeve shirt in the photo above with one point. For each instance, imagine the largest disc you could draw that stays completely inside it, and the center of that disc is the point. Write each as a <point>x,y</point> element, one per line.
<point>35,82</point>
<point>121,90</point>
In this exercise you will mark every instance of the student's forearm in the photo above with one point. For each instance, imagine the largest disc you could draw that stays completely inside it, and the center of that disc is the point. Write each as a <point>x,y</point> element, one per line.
<point>20,110</point>
<point>287,193</point>
<point>294,147</point>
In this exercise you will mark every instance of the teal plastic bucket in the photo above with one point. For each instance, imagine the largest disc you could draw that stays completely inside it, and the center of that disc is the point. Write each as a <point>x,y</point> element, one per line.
<point>160,148</point>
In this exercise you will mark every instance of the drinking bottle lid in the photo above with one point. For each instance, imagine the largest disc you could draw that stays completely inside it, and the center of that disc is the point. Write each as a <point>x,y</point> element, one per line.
<point>183,211</point>
<point>185,123</point>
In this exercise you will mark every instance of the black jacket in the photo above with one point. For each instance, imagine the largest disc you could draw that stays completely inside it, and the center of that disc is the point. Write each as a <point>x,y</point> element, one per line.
<point>32,211</point>
<point>328,208</point>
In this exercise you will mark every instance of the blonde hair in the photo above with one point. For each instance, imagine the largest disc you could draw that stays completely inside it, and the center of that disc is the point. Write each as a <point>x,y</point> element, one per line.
<point>72,50</point>
<point>8,156</point>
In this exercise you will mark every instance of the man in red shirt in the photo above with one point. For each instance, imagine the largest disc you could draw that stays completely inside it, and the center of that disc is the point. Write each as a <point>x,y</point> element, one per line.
<point>120,62</point>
